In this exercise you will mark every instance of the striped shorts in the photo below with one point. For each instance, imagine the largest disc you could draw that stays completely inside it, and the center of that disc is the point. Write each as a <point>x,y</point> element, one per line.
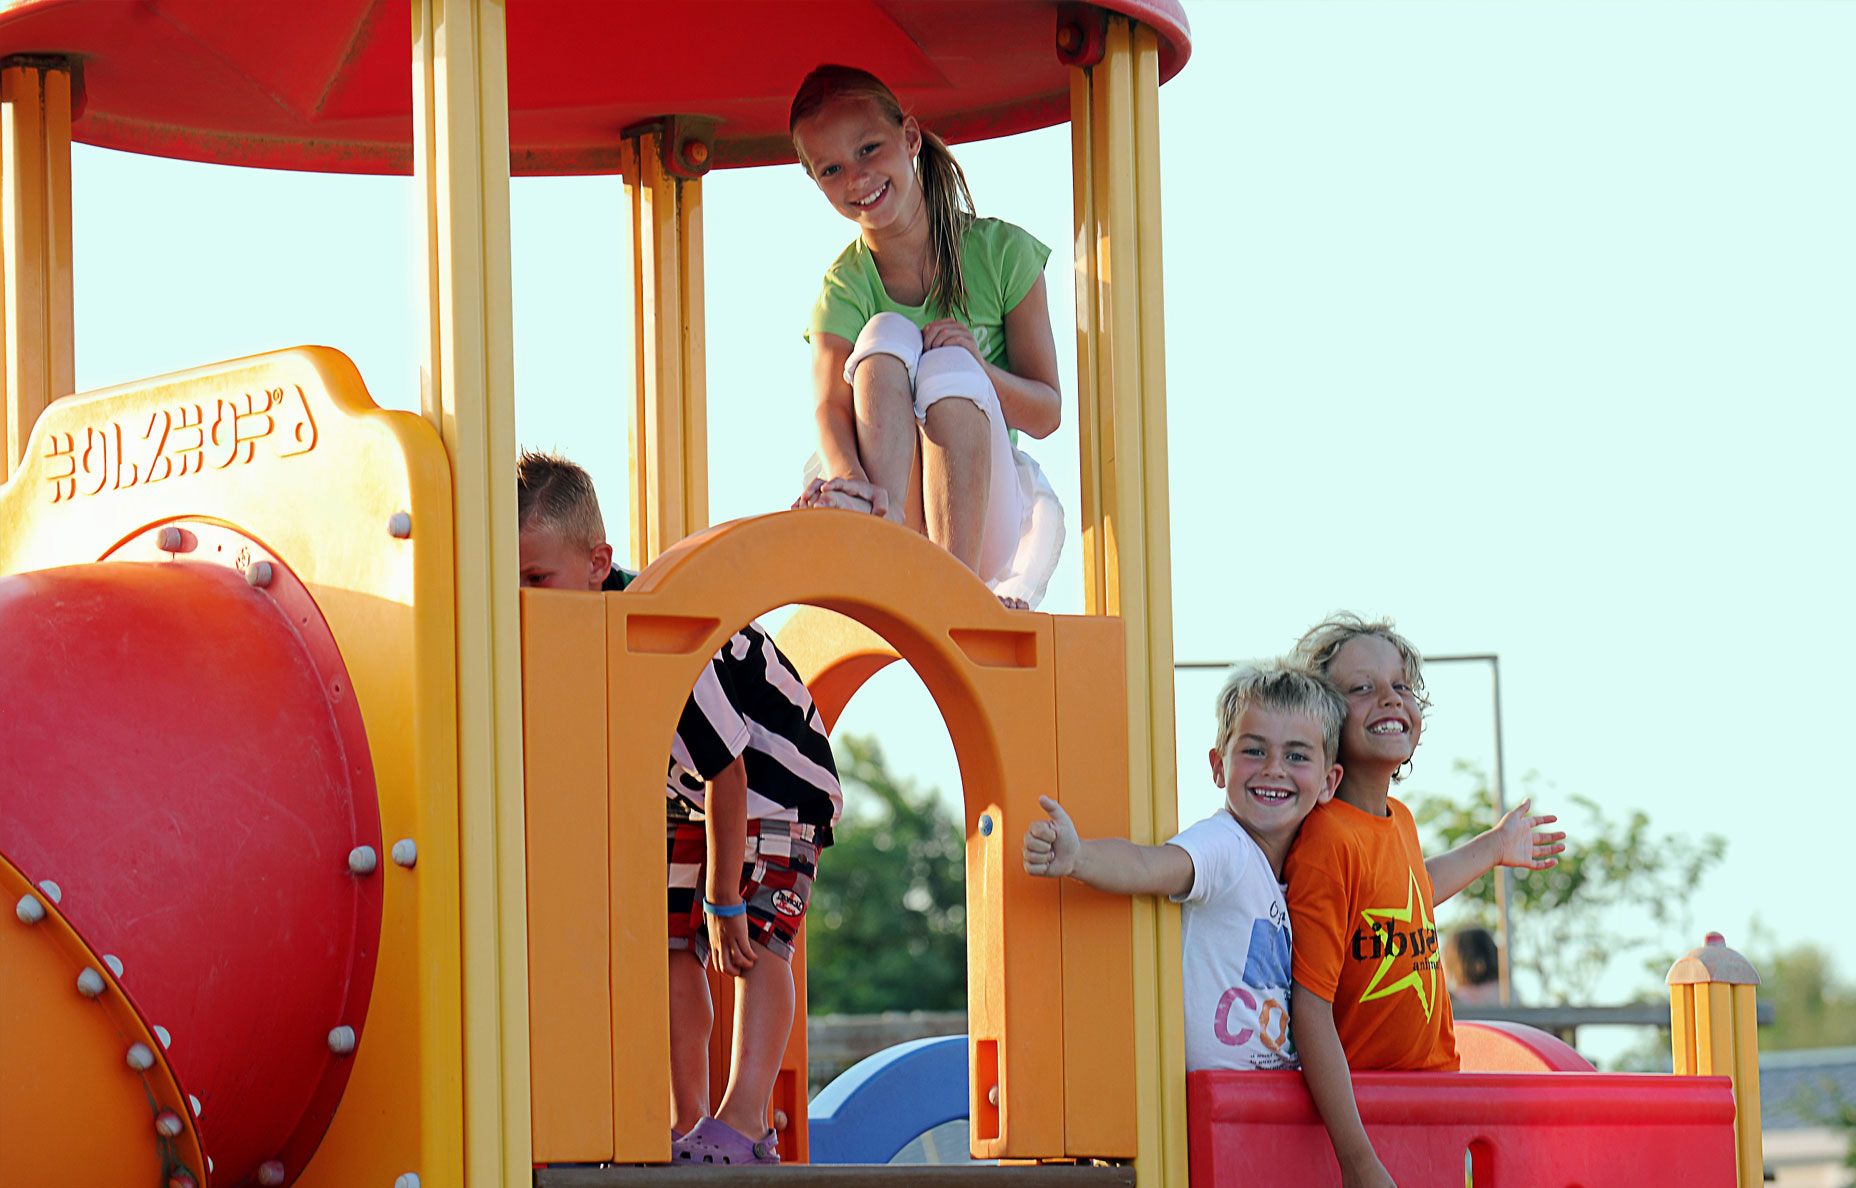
<point>777,869</point>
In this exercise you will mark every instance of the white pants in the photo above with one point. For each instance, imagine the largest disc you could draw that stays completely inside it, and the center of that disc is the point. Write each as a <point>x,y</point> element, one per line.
<point>1023,531</point>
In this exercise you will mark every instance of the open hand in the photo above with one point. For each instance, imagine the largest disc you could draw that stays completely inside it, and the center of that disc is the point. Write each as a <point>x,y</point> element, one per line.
<point>1521,843</point>
<point>1051,847</point>
<point>730,950</point>
<point>948,332</point>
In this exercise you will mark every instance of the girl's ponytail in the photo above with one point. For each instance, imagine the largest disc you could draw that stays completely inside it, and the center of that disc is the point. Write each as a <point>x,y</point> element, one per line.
<point>948,202</point>
<point>950,212</point>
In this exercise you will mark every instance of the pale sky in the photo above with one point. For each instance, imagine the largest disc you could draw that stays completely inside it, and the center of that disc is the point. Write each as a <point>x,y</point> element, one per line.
<point>1527,323</point>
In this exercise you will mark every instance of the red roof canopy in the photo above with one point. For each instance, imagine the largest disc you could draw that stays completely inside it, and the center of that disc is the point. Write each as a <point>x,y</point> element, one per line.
<point>326,84</point>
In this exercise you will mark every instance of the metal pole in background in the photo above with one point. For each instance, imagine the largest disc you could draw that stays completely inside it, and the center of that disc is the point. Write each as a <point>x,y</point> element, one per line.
<point>1498,788</point>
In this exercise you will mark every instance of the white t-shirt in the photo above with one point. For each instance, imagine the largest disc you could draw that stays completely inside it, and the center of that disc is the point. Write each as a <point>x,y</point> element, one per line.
<point>1234,933</point>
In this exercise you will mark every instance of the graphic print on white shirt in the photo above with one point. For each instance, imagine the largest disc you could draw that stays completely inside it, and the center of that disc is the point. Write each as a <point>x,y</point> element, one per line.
<point>1235,941</point>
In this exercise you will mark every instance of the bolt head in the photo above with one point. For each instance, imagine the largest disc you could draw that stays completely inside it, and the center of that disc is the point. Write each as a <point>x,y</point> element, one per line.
<point>114,962</point>
<point>1069,39</point>
<point>985,824</point>
<point>140,1058</point>
<point>341,1040</point>
<point>90,983</point>
<point>695,151</point>
<point>259,574</point>
<point>399,525</point>
<point>193,1103</point>
<point>29,909</point>
<point>162,1034</point>
<point>53,891</point>
<point>271,1171</point>
<point>180,1177</point>
<point>406,852</point>
<point>168,1124</point>
<point>407,1180</point>
<point>362,860</point>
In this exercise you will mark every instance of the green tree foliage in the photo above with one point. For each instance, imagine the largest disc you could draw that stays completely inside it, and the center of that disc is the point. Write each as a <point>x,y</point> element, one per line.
<point>1620,889</point>
<point>1811,1007</point>
<point>887,927</point>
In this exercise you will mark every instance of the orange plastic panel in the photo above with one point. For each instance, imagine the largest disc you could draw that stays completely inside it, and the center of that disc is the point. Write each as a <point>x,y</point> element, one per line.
<point>640,1006</point>
<point>68,1083</point>
<point>569,925</point>
<point>992,673</point>
<point>1098,928</point>
<point>289,449</point>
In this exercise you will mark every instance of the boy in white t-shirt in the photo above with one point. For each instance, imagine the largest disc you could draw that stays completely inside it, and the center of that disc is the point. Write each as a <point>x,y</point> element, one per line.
<point>1278,734</point>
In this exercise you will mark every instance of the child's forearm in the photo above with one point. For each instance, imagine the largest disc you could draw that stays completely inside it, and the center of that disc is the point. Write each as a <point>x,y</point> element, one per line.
<point>725,834</point>
<point>1453,871</point>
<point>1125,868</point>
<point>1030,406</point>
<point>1330,1083</point>
<point>837,436</point>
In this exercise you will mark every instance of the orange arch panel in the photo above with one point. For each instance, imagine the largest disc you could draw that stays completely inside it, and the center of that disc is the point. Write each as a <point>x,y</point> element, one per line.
<point>995,676</point>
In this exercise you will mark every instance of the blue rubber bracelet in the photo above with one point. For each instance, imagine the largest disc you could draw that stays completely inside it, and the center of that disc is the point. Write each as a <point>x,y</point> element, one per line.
<point>724,911</point>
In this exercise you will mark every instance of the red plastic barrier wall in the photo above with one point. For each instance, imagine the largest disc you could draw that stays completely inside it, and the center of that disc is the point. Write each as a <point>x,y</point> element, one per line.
<point>1517,1130</point>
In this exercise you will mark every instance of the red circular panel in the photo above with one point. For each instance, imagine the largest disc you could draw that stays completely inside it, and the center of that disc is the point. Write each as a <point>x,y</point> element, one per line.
<point>181,753</point>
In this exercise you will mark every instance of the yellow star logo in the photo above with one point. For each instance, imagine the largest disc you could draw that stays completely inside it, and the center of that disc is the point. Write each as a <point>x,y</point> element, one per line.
<point>1422,983</point>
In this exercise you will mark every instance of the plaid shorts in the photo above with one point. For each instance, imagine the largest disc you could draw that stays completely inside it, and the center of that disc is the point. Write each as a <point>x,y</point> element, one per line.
<point>776,883</point>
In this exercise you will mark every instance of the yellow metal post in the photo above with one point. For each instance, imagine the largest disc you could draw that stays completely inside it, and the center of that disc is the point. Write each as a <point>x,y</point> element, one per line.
<point>1714,1032</point>
<point>461,160</point>
<point>35,245</point>
<point>669,428</point>
<point>1121,399</point>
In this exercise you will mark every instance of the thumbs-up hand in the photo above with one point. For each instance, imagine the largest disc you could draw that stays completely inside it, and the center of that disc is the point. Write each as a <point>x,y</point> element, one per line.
<point>1051,846</point>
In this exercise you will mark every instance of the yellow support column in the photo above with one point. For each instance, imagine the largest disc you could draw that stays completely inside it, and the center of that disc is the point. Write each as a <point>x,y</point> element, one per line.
<point>35,245</point>
<point>1121,402</point>
<point>663,162</point>
<point>1714,1032</point>
<point>461,161</point>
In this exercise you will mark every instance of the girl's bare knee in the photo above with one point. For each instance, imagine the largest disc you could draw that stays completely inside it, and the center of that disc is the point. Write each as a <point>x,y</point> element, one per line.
<point>956,423</point>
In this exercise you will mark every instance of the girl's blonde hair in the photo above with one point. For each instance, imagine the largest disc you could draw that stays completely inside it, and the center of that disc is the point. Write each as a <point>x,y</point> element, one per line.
<point>1318,647</point>
<point>944,185</point>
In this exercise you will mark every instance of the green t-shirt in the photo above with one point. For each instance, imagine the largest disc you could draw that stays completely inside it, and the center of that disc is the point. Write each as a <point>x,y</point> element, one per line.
<point>1001,263</point>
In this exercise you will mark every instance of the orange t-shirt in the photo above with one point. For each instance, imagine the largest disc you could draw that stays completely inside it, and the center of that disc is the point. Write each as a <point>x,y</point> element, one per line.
<point>1360,903</point>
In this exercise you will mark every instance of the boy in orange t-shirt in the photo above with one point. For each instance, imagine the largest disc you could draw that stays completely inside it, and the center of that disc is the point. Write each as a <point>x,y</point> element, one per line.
<point>1368,983</point>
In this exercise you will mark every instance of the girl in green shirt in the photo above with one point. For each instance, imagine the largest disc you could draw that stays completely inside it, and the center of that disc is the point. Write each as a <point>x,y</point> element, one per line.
<point>931,341</point>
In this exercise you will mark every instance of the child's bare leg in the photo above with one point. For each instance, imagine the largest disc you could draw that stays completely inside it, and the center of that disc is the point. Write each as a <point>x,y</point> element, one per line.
<point>692,1018</point>
<point>763,1021</point>
<point>887,441</point>
<point>956,472</point>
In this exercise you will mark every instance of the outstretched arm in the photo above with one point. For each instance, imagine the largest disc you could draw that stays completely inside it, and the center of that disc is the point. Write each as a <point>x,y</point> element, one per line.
<point>1516,840</point>
<point>1330,1083</point>
<point>1053,850</point>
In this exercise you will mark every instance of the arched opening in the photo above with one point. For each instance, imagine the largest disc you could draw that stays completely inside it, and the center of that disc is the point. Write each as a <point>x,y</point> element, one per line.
<point>1049,967</point>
